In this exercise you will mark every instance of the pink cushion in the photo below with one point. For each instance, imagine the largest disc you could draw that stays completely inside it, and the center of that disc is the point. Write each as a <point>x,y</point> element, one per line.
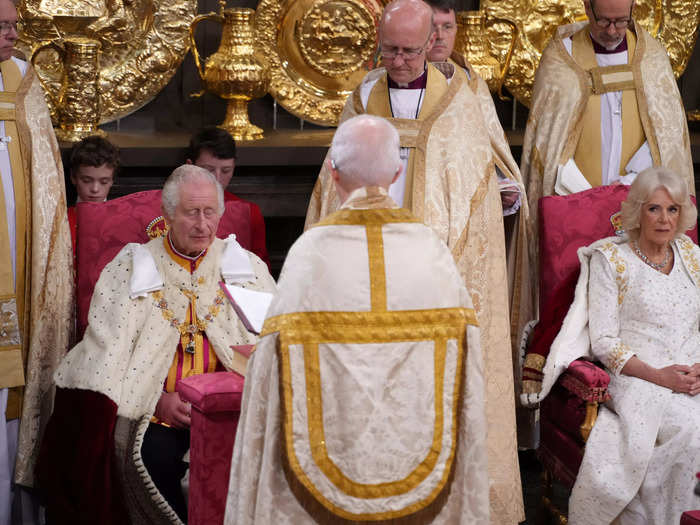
<point>105,228</point>
<point>213,392</point>
<point>691,517</point>
<point>587,381</point>
<point>216,402</point>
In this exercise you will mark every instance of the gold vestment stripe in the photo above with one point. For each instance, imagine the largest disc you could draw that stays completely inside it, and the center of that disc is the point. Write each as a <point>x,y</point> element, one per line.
<point>367,217</point>
<point>317,437</point>
<point>377,272</point>
<point>370,327</point>
<point>612,78</point>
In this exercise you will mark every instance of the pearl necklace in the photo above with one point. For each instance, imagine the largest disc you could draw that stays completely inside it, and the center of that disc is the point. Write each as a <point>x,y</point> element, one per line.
<point>656,266</point>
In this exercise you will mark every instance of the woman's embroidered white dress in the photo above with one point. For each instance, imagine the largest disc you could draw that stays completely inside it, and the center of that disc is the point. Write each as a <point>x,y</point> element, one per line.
<point>644,450</point>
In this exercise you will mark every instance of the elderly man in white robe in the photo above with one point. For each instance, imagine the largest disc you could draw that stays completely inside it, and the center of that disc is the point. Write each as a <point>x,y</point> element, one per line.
<point>364,401</point>
<point>113,451</point>
<point>448,180</point>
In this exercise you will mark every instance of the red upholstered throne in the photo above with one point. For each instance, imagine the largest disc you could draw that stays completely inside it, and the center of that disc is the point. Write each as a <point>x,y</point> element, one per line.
<point>103,230</point>
<point>570,410</point>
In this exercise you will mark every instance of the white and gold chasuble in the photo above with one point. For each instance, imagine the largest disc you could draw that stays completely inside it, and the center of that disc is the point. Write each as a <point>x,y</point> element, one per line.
<point>367,378</point>
<point>452,187</point>
<point>36,278</point>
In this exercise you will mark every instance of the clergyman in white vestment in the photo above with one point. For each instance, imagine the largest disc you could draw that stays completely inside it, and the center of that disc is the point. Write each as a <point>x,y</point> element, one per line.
<point>364,398</point>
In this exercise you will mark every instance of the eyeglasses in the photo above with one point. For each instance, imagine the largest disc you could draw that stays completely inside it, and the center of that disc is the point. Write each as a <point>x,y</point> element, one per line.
<point>604,23</point>
<point>407,54</point>
<point>6,27</point>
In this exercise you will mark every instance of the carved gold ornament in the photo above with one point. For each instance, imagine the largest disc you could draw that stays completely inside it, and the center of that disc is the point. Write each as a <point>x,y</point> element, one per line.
<point>77,101</point>
<point>234,72</point>
<point>143,42</point>
<point>532,23</point>
<point>319,51</point>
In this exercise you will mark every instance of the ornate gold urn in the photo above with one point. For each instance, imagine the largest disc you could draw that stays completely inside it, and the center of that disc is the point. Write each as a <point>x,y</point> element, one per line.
<point>234,72</point>
<point>77,100</point>
<point>472,45</point>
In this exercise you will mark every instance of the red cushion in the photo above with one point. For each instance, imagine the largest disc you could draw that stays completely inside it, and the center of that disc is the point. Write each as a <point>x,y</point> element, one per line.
<point>213,392</point>
<point>691,517</point>
<point>587,381</point>
<point>105,228</point>
<point>566,224</point>
<point>216,402</point>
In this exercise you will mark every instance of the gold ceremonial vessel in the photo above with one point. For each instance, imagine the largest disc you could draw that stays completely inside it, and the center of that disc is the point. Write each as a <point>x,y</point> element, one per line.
<point>141,45</point>
<point>77,101</point>
<point>318,50</point>
<point>234,72</point>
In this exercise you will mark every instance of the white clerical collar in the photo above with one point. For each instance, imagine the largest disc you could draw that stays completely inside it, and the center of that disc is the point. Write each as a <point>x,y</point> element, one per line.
<point>180,254</point>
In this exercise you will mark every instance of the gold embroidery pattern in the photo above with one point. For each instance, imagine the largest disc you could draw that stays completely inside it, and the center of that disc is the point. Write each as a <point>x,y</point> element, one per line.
<point>197,325</point>
<point>688,255</point>
<point>320,453</point>
<point>9,325</point>
<point>310,329</point>
<point>366,217</point>
<point>613,255</point>
<point>615,358</point>
<point>313,328</point>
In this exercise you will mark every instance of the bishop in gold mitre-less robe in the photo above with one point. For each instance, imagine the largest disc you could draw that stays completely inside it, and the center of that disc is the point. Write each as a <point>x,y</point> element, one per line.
<point>633,92</point>
<point>357,379</point>
<point>36,270</point>
<point>449,182</point>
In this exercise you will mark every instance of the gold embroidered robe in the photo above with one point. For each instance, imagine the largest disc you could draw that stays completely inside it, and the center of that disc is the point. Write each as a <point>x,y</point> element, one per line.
<point>453,188</point>
<point>36,333</point>
<point>356,324</point>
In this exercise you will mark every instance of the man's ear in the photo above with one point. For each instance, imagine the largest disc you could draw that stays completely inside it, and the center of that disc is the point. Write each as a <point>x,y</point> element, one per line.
<point>396,175</point>
<point>334,172</point>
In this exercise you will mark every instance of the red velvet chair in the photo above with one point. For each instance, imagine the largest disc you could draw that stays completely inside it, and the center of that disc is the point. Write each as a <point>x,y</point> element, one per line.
<point>103,229</point>
<point>569,411</point>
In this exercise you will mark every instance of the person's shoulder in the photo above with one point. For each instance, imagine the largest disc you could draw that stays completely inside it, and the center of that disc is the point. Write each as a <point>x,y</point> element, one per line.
<point>372,77</point>
<point>230,197</point>
<point>19,59</point>
<point>652,47</point>
<point>615,250</point>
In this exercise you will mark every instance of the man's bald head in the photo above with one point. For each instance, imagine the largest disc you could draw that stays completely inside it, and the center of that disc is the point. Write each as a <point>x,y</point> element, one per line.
<point>407,15</point>
<point>405,36</point>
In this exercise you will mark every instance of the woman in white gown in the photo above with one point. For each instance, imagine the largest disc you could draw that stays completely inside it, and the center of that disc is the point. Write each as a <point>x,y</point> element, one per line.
<point>643,318</point>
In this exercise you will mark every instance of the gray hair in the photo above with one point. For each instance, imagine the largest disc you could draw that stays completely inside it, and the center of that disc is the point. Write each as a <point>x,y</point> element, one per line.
<point>187,173</point>
<point>365,151</point>
<point>646,183</point>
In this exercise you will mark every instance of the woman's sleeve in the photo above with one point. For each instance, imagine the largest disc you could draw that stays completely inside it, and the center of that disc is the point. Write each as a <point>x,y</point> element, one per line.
<point>605,295</point>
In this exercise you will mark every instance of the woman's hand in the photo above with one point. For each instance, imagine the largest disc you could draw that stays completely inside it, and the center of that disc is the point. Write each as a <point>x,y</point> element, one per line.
<point>680,378</point>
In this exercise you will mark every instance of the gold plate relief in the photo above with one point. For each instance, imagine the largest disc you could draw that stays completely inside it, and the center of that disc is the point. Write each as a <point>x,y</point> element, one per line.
<point>143,42</point>
<point>318,50</point>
